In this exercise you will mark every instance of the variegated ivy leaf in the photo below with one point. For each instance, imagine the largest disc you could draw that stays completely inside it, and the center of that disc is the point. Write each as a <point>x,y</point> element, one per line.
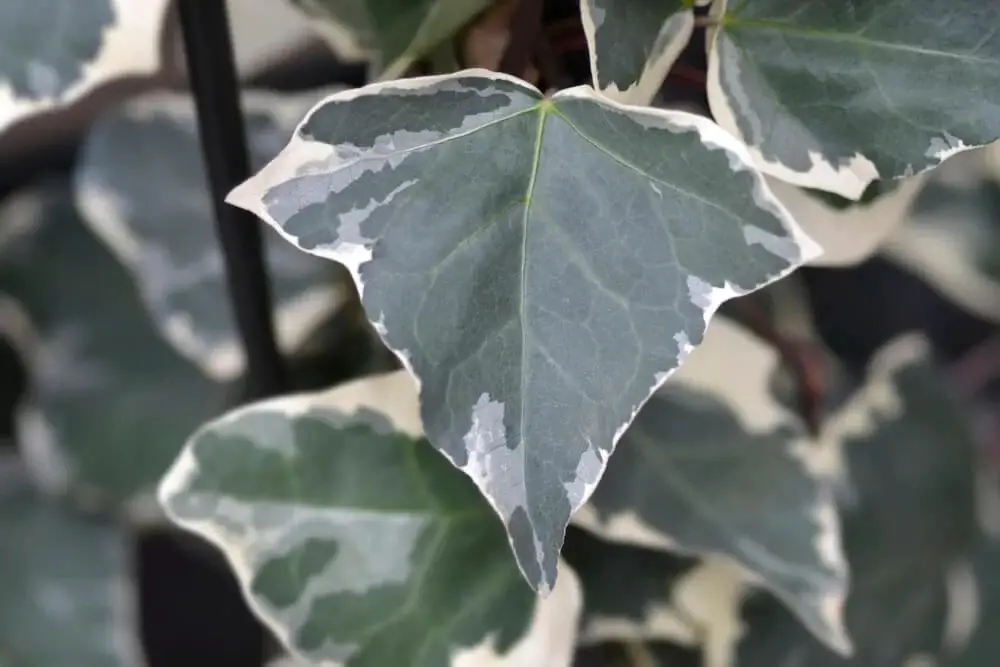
<point>634,43</point>
<point>109,403</point>
<point>67,598</point>
<point>141,184</point>
<point>909,526</point>
<point>835,95</point>
<point>540,264</point>
<point>714,464</point>
<point>53,51</point>
<point>396,33</point>
<point>357,543</point>
<point>952,242</point>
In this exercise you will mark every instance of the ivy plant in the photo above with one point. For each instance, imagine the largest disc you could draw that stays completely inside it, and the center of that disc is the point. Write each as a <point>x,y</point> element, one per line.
<point>558,385</point>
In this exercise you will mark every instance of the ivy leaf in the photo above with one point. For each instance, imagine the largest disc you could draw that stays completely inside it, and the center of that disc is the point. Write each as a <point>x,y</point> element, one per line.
<point>67,598</point>
<point>396,33</point>
<point>358,543</point>
<point>909,520</point>
<point>109,403</point>
<point>952,242</point>
<point>834,96</point>
<point>140,183</point>
<point>539,296</point>
<point>634,43</point>
<point>714,464</point>
<point>86,43</point>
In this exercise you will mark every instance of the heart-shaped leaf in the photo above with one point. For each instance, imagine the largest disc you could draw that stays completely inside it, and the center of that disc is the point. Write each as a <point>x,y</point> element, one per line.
<point>53,51</point>
<point>109,402</point>
<point>540,265</point>
<point>833,96</point>
<point>357,542</point>
<point>715,464</point>
<point>909,519</point>
<point>634,43</point>
<point>140,183</point>
<point>67,598</point>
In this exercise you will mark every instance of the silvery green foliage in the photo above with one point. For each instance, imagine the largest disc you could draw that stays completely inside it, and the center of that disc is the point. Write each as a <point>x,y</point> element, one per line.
<point>357,542</point>
<point>140,182</point>
<point>540,296</point>
<point>67,598</point>
<point>52,51</point>
<point>836,95</point>
<point>108,402</point>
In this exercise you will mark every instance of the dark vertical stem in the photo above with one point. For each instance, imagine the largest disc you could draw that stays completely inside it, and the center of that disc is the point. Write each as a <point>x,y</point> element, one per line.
<point>212,71</point>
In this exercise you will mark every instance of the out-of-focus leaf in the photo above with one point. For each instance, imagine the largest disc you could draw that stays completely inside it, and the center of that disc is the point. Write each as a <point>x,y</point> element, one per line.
<point>54,51</point>
<point>543,294</point>
<point>357,542</point>
<point>952,242</point>
<point>715,464</point>
<point>634,43</point>
<point>109,403</point>
<point>394,33</point>
<point>634,594</point>
<point>975,610</point>
<point>908,524</point>
<point>66,598</point>
<point>834,95</point>
<point>141,185</point>
<point>850,232</point>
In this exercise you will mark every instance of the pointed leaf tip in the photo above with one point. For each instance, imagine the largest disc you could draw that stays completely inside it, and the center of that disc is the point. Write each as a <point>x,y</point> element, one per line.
<point>541,295</point>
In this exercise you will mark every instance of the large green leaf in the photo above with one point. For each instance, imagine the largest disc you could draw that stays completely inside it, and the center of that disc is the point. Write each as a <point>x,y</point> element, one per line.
<point>909,520</point>
<point>141,184</point>
<point>54,51</point>
<point>396,33</point>
<point>714,464</point>
<point>541,265</point>
<point>833,95</point>
<point>634,43</point>
<point>357,542</point>
<point>952,242</point>
<point>67,598</point>
<point>109,403</point>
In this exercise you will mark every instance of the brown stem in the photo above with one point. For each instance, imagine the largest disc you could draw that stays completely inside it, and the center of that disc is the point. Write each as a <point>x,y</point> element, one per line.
<point>803,358</point>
